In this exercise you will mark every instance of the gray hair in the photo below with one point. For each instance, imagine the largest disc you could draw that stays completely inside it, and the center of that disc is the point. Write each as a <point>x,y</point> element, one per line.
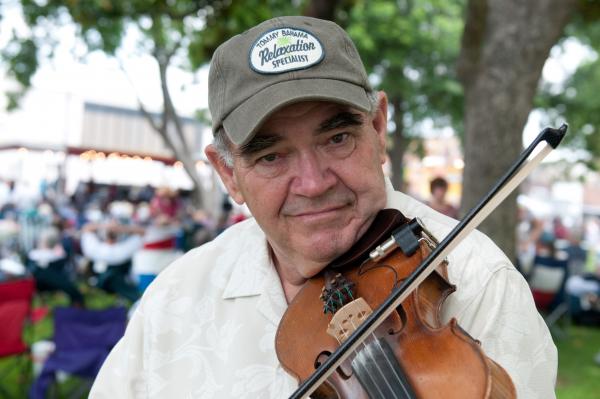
<point>224,146</point>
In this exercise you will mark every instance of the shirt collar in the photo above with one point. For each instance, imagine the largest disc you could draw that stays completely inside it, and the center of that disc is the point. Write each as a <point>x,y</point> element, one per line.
<point>251,263</point>
<point>253,273</point>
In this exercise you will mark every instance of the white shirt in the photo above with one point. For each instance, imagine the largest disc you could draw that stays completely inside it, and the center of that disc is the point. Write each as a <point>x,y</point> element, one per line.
<point>44,256</point>
<point>105,254</point>
<point>205,328</point>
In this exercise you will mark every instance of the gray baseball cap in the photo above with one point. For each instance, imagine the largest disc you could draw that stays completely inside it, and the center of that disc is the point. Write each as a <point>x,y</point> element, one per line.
<point>279,62</point>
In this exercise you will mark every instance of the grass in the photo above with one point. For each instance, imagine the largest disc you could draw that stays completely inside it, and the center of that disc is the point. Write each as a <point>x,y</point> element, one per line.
<point>14,382</point>
<point>578,375</point>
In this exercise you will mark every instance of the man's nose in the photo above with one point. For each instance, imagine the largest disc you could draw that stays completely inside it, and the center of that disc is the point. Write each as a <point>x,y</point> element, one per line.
<point>313,177</point>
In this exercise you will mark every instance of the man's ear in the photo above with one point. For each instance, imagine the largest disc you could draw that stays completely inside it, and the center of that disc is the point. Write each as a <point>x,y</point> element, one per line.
<point>225,173</point>
<point>380,123</point>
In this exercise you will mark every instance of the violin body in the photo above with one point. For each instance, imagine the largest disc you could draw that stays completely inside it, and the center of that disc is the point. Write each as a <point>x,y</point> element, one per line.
<point>432,360</point>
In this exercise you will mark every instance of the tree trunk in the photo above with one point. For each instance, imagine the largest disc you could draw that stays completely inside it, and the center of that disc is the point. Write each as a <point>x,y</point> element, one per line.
<point>399,144</point>
<point>323,9</point>
<point>504,46</point>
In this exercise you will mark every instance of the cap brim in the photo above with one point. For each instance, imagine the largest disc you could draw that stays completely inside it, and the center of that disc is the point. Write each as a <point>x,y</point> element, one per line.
<point>241,124</point>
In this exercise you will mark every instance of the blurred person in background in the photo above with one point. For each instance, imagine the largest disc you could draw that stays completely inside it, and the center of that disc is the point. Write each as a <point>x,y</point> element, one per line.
<point>546,245</point>
<point>6,191</point>
<point>11,266</point>
<point>165,203</point>
<point>575,251</point>
<point>529,230</point>
<point>439,188</point>
<point>9,232</point>
<point>584,291</point>
<point>197,228</point>
<point>560,231</point>
<point>146,193</point>
<point>223,222</point>
<point>8,200</point>
<point>48,264</point>
<point>549,273</point>
<point>227,217</point>
<point>161,242</point>
<point>111,246</point>
<point>583,287</point>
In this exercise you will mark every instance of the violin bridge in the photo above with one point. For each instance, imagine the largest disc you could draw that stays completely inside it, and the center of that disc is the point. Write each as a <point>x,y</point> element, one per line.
<point>348,318</point>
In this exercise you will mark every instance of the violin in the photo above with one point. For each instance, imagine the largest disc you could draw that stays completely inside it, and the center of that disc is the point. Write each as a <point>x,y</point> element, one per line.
<point>410,354</point>
<point>369,325</point>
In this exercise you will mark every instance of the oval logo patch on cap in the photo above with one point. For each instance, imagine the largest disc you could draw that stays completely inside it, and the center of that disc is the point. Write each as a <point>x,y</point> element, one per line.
<point>285,49</point>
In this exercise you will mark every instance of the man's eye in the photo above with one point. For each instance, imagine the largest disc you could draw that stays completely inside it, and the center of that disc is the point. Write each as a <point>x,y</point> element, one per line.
<point>269,158</point>
<point>271,164</point>
<point>338,138</point>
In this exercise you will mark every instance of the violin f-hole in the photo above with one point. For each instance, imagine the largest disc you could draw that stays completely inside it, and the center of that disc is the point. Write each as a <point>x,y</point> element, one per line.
<point>344,374</point>
<point>403,320</point>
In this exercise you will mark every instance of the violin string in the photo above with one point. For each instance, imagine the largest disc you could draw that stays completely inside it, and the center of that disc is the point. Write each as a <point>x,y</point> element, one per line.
<point>369,352</point>
<point>345,337</point>
<point>347,334</point>
<point>391,367</point>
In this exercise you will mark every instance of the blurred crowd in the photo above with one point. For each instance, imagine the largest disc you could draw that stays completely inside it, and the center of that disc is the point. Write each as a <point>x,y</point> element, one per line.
<point>119,238</point>
<point>562,265</point>
<point>560,259</point>
<point>112,238</point>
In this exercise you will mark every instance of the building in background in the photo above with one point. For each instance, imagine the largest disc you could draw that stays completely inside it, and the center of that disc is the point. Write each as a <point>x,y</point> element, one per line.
<point>59,135</point>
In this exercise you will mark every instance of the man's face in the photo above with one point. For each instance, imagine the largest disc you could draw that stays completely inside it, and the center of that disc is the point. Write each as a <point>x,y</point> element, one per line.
<point>312,178</point>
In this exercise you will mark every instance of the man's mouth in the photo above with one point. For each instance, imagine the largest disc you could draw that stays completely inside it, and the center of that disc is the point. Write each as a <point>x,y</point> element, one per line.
<point>318,213</point>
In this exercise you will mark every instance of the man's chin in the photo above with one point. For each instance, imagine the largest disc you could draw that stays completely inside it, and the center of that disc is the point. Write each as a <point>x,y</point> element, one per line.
<point>324,248</point>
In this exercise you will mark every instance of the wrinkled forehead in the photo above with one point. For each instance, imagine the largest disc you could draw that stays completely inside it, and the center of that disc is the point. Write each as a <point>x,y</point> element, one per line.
<point>306,113</point>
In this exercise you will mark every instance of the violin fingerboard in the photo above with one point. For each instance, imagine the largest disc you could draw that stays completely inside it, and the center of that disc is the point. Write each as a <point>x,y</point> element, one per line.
<point>379,372</point>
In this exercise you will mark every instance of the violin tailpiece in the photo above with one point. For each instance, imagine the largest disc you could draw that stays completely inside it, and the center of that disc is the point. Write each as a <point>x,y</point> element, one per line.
<point>337,292</point>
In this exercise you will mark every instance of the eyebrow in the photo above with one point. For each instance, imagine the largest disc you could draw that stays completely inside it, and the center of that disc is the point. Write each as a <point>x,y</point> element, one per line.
<point>340,120</point>
<point>258,144</point>
<point>261,142</point>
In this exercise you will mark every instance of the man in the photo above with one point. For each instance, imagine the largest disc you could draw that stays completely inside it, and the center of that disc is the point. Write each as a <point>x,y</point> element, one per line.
<point>111,256</point>
<point>48,262</point>
<point>299,138</point>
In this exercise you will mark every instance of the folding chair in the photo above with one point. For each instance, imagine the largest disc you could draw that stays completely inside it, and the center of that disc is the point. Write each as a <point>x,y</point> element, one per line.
<point>583,297</point>
<point>55,278</point>
<point>83,339</point>
<point>15,309</point>
<point>547,281</point>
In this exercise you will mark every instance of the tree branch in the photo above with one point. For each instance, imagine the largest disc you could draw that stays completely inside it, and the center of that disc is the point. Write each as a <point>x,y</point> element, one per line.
<point>169,109</point>
<point>162,129</point>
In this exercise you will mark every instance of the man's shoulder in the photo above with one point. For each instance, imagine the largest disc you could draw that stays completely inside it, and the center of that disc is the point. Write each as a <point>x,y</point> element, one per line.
<point>476,255</point>
<point>475,266</point>
<point>208,267</point>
